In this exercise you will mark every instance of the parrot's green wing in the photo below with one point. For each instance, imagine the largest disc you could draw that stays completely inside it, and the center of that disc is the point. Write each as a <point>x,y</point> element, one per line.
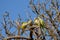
<point>42,24</point>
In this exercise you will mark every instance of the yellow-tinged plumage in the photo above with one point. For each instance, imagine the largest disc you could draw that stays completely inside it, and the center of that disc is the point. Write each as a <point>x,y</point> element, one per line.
<point>30,23</point>
<point>42,24</point>
<point>23,26</point>
<point>39,22</point>
<point>36,21</point>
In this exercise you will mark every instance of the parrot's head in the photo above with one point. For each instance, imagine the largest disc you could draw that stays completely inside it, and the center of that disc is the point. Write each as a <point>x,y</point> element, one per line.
<point>24,24</point>
<point>36,21</point>
<point>30,22</point>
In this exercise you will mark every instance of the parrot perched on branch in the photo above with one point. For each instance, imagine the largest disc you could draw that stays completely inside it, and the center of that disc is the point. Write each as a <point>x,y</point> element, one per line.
<point>42,23</point>
<point>23,26</point>
<point>39,22</point>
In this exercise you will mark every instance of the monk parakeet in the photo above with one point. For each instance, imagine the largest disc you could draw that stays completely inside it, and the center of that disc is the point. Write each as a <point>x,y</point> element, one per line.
<point>38,21</point>
<point>23,26</point>
<point>42,24</point>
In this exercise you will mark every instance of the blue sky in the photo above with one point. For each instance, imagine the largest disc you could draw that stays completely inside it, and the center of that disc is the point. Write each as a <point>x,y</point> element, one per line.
<point>13,7</point>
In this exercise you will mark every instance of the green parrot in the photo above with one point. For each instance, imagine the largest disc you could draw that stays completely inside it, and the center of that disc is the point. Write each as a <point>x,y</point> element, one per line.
<point>23,26</point>
<point>42,24</point>
<point>38,21</point>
